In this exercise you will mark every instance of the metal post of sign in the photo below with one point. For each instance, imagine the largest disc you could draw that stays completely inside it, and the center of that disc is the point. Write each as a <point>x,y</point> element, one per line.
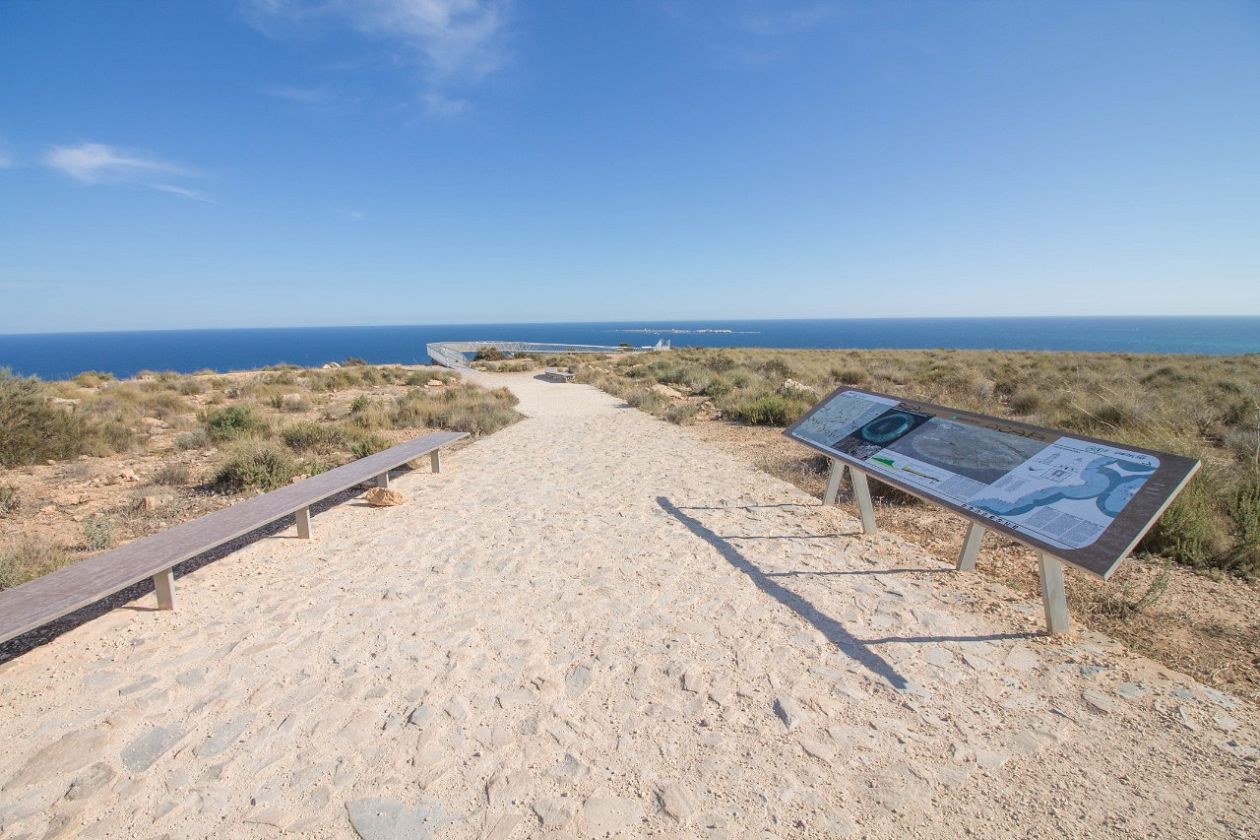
<point>833,482</point>
<point>1053,595</point>
<point>862,495</point>
<point>971,547</point>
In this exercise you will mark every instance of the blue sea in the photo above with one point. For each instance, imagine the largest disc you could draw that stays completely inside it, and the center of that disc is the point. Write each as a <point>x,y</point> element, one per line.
<point>61,355</point>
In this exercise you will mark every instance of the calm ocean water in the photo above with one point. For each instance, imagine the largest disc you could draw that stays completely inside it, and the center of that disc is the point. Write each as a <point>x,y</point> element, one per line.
<point>60,355</point>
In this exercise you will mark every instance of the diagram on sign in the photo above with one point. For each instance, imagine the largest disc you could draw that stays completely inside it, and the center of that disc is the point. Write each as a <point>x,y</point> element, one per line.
<point>1069,492</point>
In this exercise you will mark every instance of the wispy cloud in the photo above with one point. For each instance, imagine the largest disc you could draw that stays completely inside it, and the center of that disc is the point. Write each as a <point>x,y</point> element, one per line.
<point>314,96</point>
<point>784,18</point>
<point>452,43</point>
<point>97,163</point>
<point>183,192</point>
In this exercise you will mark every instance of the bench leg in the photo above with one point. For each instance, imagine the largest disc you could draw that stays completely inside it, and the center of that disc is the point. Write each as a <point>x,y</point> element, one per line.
<point>382,480</point>
<point>862,494</point>
<point>164,585</point>
<point>435,461</point>
<point>971,547</point>
<point>833,482</point>
<point>303,517</point>
<point>1053,596</point>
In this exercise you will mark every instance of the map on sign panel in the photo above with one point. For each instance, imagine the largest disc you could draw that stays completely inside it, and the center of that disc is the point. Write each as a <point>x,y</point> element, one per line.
<point>1063,491</point>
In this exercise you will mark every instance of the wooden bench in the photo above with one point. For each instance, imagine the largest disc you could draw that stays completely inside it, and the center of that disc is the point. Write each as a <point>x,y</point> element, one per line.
<point>552,374</point>
<point>45,599</point>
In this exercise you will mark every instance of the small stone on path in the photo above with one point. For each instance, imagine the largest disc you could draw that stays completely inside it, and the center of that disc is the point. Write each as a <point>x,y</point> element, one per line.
<point>149,747</point>
<point>611,816</point>
<point>677,800</point>
<point>70,752</point>
<point>387,819</point>
<point>1102,702</point>
<point>90,781</point>
<point>1132,691</point>
<point>577,681</point>
<point>553,811</point>
<point>789,711</point>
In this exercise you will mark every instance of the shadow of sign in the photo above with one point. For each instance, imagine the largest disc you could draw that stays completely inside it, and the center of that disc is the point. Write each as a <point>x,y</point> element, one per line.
<point>833,630</point>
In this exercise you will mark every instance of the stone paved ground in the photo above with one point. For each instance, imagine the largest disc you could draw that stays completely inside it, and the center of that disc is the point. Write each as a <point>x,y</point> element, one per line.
<point>592,624</point>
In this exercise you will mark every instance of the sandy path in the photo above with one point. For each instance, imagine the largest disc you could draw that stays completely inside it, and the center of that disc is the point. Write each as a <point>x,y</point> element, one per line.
<point>592,623</point>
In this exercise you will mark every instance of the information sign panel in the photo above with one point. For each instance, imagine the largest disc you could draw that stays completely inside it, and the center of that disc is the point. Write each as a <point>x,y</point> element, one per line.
<point>1083,500</point>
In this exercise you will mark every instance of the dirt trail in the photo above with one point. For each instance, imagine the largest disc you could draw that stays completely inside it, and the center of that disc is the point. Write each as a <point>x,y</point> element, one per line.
<point>592,624</point>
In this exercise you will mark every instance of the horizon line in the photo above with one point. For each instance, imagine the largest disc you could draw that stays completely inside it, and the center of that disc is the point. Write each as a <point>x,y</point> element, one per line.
<point>644,321</point>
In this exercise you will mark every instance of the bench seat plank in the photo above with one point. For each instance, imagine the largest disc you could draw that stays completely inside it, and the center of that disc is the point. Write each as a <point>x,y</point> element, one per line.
<point>44,599</point>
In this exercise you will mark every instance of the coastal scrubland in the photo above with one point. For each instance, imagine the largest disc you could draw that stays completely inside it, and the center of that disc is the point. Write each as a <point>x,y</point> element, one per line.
<point>89,463</point>
<point>1189,598</point>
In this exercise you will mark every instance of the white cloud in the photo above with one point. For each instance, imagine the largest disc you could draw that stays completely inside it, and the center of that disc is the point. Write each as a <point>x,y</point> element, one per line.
<point>96,163</point>
<point>184,192</point>
<point>453,42</point>
<point>780,19</point>
<point>301,95</point>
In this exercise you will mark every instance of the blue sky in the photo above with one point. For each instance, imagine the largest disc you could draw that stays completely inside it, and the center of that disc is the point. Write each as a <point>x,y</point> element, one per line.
<point>306,162</point>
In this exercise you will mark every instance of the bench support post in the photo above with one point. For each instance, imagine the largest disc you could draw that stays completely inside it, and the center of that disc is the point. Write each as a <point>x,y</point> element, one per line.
<point>164,586</point>
<point>382,480</point>
<point>971,547</point>
<point>303,517</point>
<point>1053,596</point>
<point>435,461</point>
<point>862,494</point>
<point>833,482</point>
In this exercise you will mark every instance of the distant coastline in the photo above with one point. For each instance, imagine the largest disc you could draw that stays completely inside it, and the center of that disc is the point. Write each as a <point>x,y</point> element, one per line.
<point>61,355</point>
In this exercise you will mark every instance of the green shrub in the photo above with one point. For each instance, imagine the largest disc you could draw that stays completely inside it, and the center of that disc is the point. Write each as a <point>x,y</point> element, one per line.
<point>174,474</point>
<point>1188,531</point>
<point>196,439</point>
<point>28,559</point>
<point>234,422</point>
<point>464,408</point>
<point>769,410</point>
<point>191,387</point>
<point>645,399</point>
<point>488,354</point>
<point>98,533</point>
<point>851,375</point>
<point>717,387</point>
<point>93,378</point>
<point>682,414</point>
<point>314,437</point>
<point>255,464</point>
<point>422,377</point>
<point>32,430</point>
<point>366,445</point>
<point>10,501</point>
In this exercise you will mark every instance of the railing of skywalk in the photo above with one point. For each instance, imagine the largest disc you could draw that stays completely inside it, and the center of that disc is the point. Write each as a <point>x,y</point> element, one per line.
<point>1074,499</point>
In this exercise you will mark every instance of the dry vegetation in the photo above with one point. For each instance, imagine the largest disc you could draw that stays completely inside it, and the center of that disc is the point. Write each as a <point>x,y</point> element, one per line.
<point>91,462</point>
<point>1189,599</point>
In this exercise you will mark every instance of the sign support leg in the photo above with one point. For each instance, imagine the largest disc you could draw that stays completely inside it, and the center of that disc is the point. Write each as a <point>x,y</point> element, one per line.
<point>862,494</point>
<point>833,482</point>
<point>435,461</point>
<point>971,547</point>
<point>1053,596</point>
<point>382,480</point>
